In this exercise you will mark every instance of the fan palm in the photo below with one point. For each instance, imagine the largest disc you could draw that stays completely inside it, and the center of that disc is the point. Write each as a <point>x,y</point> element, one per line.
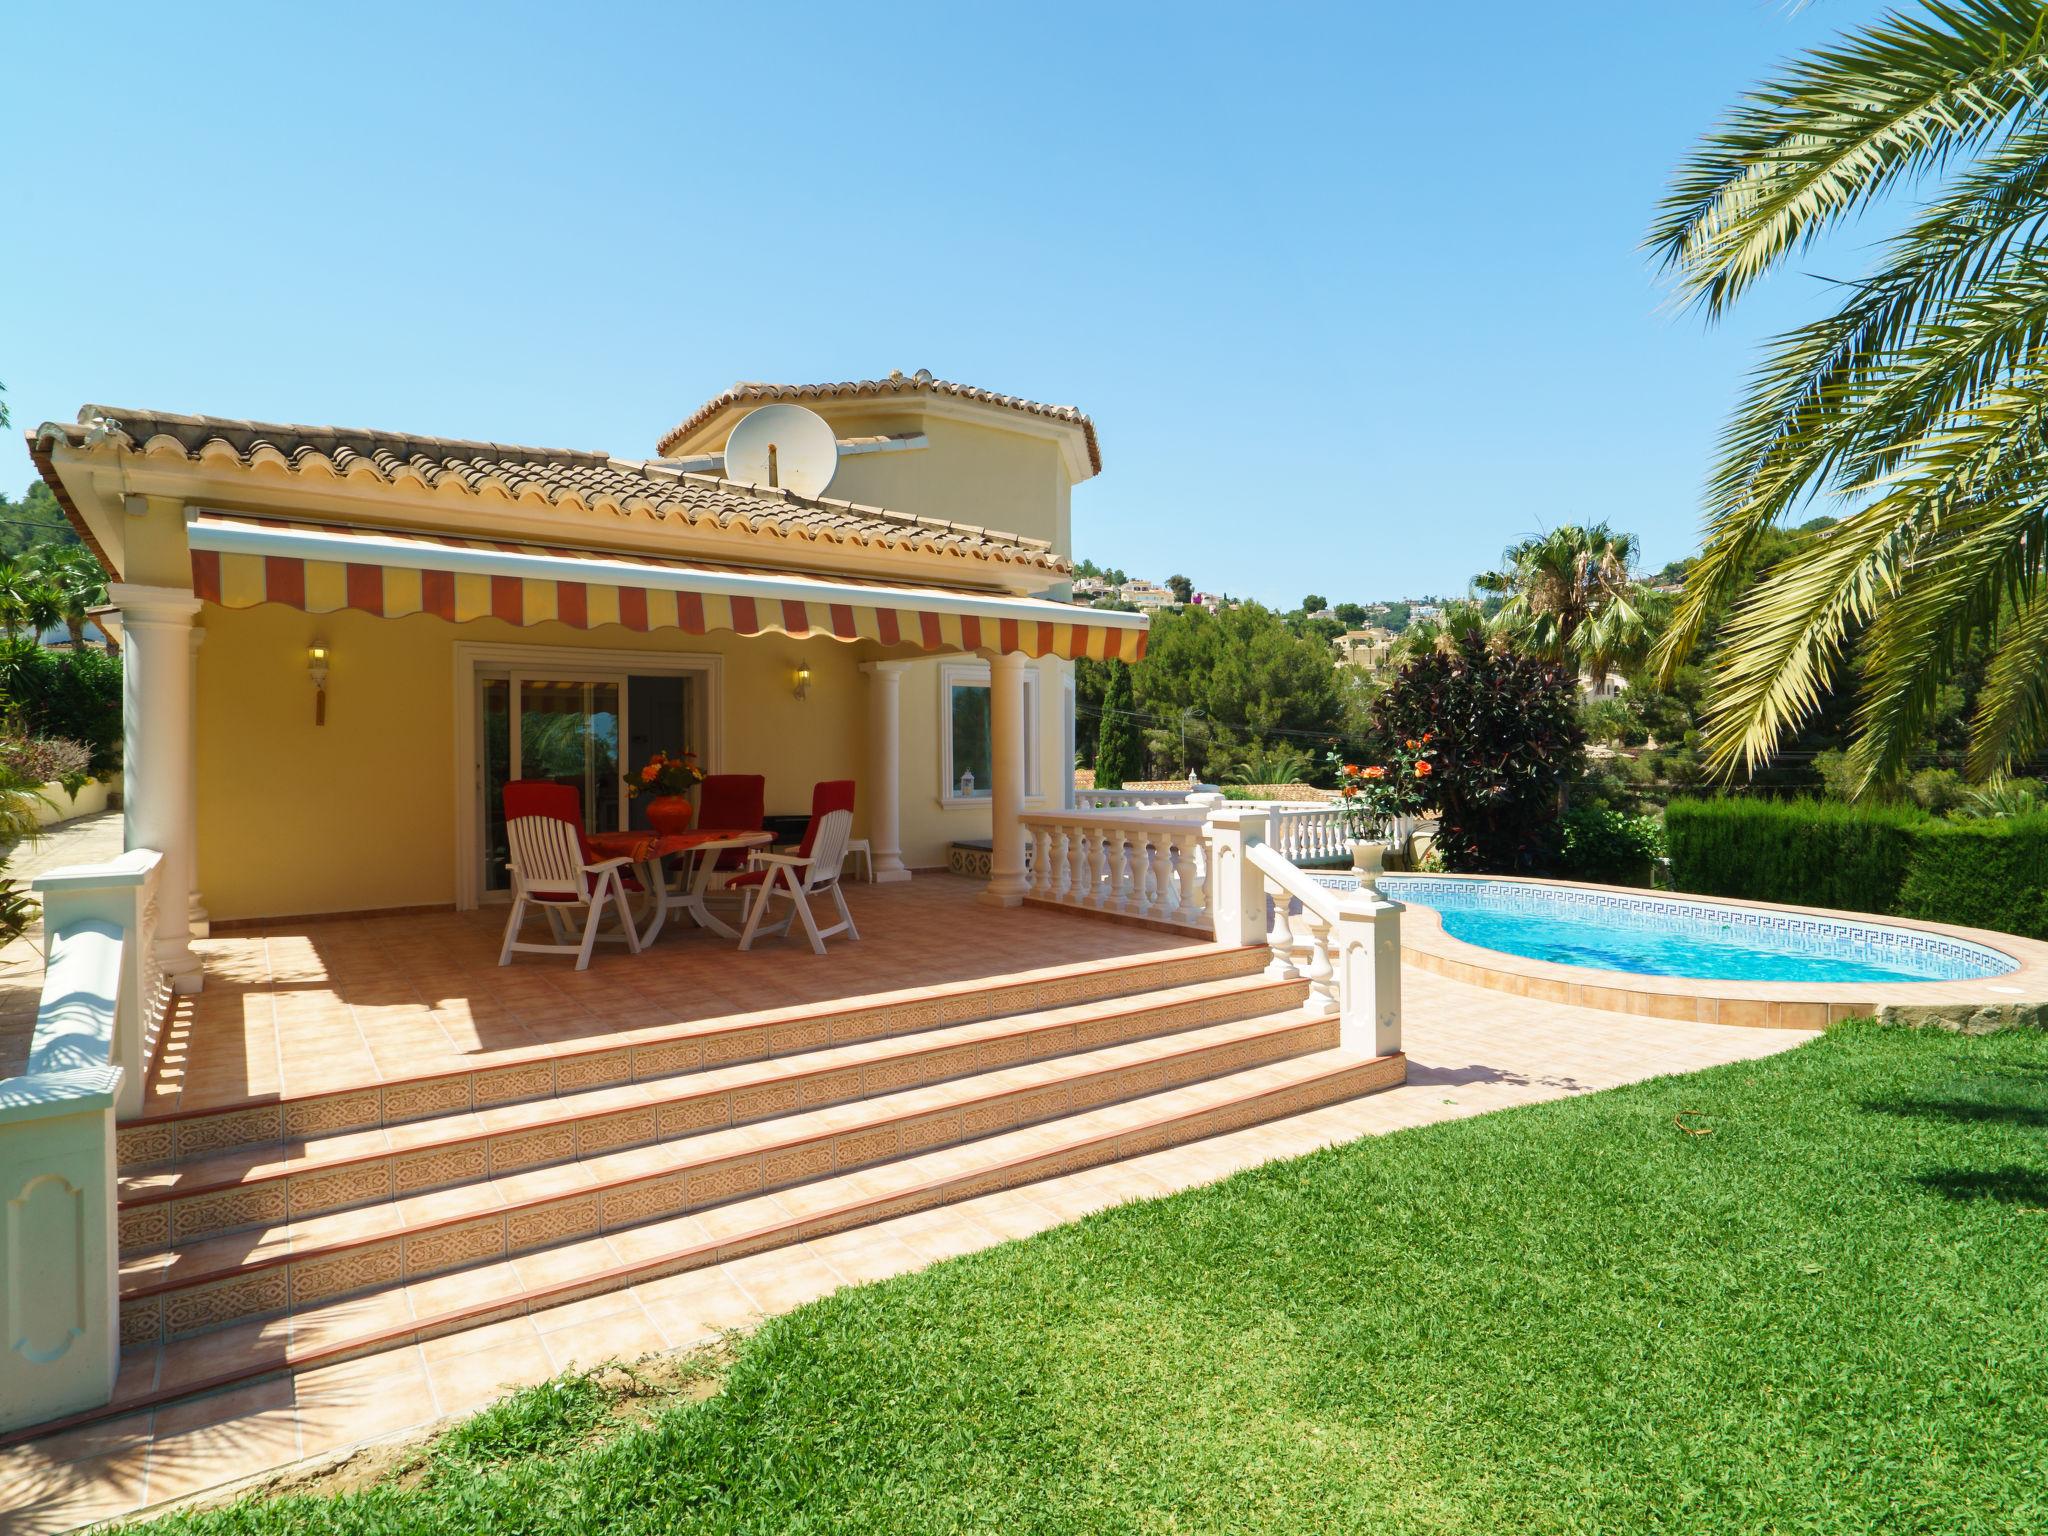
<point>74,576</point>
<point>26,601</point>
<point>1441,634</point>
<point>1570,597</point>
<point>1922,401</point>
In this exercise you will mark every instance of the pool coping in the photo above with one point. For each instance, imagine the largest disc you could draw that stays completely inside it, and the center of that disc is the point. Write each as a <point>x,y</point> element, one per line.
<point>1987,1002</point>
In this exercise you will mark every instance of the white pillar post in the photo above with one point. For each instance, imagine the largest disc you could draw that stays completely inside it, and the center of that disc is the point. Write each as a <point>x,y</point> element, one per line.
<point>1367,939</point>
<point>1237,891</point>
<point>885,768</point>
<point>202,922</point>
<point>1006,780</point>
<point>156,724</point>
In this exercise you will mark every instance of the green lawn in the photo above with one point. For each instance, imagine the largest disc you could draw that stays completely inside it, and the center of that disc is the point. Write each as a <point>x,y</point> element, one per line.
<point>1829,1315</point>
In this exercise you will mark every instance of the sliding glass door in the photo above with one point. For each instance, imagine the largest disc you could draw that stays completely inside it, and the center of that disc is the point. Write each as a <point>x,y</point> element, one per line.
<point>570,729</point>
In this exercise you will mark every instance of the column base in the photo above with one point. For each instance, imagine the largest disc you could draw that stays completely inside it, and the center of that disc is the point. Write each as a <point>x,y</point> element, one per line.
<point>997,896</point>
<point>201,920</point>
<point>887,876</point>
<point>180,966</point>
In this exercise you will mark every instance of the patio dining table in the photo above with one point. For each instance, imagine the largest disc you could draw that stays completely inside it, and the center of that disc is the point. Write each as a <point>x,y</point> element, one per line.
<point>692,883</point>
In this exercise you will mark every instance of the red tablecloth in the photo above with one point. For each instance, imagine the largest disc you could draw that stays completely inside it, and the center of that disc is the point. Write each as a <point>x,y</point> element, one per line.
<point>639,846</point>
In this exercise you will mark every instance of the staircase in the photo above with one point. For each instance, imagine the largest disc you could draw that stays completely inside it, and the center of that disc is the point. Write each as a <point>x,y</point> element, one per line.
<point>345,1223</point>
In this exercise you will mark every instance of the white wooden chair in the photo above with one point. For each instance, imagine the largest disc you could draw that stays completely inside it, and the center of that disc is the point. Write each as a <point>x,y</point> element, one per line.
<point>552,869</point>
<point>799,877</point>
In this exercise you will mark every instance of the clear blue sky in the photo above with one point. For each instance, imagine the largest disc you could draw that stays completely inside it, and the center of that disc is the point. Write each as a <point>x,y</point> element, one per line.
<point>1353,293</point>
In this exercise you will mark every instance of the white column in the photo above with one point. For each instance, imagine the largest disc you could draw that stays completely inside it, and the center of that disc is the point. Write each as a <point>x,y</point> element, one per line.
<point>1006,780</point>
<point>885,768</point>
<point>1237,891</point>
<point>202,923</point>
<point>1368,969</point>
<point>156,724</point>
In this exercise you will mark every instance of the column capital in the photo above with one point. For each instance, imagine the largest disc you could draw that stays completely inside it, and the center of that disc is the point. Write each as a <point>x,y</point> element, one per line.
<point>153,605</point>
<point>893,670</point>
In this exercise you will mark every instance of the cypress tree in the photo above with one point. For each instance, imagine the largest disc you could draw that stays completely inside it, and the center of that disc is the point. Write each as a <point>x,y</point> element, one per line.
<point>1118,753</point>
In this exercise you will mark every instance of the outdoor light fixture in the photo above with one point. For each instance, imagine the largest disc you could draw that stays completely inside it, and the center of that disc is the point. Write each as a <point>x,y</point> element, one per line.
<point>316,664</point>
<point>803,682</point>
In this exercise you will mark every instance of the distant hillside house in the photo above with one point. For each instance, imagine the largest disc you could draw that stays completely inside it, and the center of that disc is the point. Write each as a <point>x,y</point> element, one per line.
<point>1146,596</point>
<point>1369,648</point>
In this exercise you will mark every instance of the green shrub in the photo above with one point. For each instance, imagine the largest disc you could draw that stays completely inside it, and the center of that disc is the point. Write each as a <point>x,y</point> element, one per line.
<point>1982,874</point>
<point>1937,790</point>
<point>1604,844</point>
<point>72,695</point>
<point>1810,853</point>
<point>1892,860</point>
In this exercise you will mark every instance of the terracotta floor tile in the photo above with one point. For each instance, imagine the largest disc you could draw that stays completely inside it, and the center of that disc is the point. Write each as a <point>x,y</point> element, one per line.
<point>464,1383</point>
<point>43,1500</point>
<point>784,1278</point>
<point>624,1336</point>
<point>213,1440</point>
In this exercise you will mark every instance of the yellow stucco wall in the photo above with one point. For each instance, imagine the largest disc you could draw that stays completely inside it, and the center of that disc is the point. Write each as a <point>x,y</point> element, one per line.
<point>361,813</point>
<point>969,473</point>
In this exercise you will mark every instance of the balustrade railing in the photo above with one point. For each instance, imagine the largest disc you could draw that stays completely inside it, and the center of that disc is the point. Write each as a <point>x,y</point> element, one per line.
<point>1309,834</point>
<point>1347,946</point>
<point>102,1008</point>
<point>1153,867</point>
<point>1126,799</point>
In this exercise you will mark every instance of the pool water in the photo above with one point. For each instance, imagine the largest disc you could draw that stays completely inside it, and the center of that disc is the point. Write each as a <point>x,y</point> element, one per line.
<point>1654,935</point>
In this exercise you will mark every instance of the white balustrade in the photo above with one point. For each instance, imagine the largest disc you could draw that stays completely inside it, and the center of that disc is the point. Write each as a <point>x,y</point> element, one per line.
<point>103,1003</point>
<point>1310,833</point>
<point>1151,867</point>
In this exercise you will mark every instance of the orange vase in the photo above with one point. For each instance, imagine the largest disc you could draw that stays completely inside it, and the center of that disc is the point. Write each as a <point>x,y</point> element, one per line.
<point>669,814</point>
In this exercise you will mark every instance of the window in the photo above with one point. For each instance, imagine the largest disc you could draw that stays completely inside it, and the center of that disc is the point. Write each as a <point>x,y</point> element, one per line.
<point>966,745</point>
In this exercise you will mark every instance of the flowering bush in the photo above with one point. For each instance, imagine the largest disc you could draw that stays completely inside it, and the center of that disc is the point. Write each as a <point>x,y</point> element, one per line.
<point>1371,795</point>
<point>665,775</point>
<point>34,760</point>
<point>1505,741</point>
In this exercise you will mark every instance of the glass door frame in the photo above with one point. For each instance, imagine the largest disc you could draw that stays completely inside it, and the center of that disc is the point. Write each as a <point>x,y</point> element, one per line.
<point>476,661</point>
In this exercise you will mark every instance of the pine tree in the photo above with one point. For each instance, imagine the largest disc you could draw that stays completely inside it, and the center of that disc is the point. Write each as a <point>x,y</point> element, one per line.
<point>1118,755</point>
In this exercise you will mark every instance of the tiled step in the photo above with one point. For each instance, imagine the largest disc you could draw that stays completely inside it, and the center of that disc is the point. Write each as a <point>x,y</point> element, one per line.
<point>399,1314</point>
<point>643,1055</point>
<point>247,1187</point>
<point>300,1264</point>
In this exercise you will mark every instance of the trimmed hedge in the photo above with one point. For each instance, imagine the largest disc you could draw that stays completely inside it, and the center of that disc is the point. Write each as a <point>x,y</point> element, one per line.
<point>1895,861</point>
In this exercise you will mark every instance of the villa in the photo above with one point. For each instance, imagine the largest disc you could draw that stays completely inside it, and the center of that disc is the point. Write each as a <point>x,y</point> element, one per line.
<point>293,1097</point>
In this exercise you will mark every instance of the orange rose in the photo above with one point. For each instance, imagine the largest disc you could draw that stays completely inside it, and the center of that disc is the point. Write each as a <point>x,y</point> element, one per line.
<point>1375,772</point>
<point>650,773</point>
<point>1428,737</point>
<point>1413,745</point>
<point>1423,770</point>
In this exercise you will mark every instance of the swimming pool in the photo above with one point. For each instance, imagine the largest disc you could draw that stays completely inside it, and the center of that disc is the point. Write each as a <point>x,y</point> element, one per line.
<point>1650,934</point>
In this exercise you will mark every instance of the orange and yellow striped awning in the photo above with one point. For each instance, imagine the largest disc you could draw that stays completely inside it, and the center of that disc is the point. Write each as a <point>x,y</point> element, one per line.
<point>241,562</point>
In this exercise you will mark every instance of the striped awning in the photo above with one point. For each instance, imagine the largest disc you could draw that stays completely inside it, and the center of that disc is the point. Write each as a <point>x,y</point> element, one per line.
<point>242,562</point>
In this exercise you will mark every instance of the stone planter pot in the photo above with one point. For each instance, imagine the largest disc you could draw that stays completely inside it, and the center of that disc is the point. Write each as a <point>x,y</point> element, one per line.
<point>1367,860</point>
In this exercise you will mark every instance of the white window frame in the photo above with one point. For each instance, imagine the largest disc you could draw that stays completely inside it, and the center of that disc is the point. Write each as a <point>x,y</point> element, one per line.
<point>970,674</point>
<point>473,659</point>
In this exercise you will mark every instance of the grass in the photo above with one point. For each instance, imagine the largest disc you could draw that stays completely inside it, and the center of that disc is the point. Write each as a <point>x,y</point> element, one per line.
<point>1824,1314</point>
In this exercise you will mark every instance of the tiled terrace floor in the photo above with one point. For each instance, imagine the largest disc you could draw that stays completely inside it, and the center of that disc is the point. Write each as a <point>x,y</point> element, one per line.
<point>308,1006</point>
<point>1470,1051</point>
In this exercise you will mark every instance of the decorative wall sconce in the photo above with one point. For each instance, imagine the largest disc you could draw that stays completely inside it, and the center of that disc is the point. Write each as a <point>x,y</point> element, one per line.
<point>316,665</point>
<point>803,682</point>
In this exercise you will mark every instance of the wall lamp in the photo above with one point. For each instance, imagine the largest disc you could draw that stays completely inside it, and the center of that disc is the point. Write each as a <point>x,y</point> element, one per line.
<point>316,665</point>
<point>803,682</point>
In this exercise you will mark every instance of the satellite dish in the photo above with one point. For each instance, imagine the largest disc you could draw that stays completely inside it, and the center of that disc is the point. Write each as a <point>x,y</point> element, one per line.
<point>783,445</point>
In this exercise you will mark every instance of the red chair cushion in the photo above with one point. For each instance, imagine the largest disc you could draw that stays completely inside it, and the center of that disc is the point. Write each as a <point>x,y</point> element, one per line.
<point>829,796</point>
<point>557,802</point>
<point>732,802</point>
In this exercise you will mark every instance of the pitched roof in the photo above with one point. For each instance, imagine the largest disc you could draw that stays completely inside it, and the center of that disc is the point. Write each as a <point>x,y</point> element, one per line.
<point>560,477</point>
<point>755,392</point>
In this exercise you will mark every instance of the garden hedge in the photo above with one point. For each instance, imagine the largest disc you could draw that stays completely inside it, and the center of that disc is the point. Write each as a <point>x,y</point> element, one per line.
<point>1896,861</point>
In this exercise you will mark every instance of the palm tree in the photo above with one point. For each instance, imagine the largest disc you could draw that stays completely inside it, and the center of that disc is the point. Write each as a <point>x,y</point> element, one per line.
<point>1921,402</point>
<point>1460,619</point>
<point>74,574</point>
<point>26,601</point>
<point>1571,597</point>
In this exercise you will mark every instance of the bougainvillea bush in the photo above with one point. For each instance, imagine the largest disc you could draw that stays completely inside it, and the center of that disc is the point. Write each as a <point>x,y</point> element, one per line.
<point>1503,741</point>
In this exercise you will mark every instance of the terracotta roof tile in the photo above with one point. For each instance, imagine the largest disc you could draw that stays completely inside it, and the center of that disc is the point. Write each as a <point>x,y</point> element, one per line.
<point>561,477</point>
<point>754,392</point>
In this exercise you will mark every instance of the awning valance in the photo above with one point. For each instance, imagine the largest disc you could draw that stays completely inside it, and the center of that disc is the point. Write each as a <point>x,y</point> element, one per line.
<point>241,562</point>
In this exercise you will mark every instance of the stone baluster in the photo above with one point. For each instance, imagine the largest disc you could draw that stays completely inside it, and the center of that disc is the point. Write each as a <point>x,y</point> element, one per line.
<point>1322,975</point>
<point>1156,893</point>
<point>1280,939</point>
<point>1174,855</point>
